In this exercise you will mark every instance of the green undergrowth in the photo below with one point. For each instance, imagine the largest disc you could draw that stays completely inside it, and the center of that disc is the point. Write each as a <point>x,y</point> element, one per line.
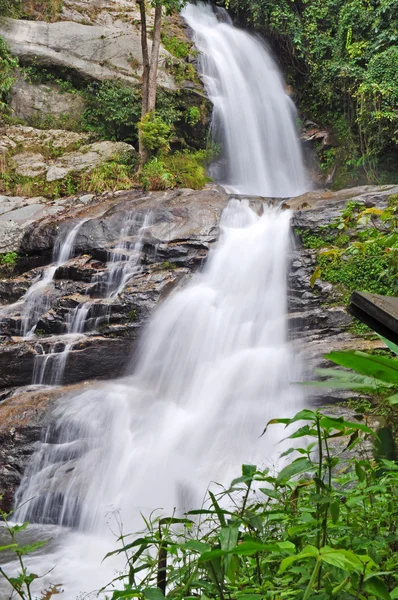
<point>114,174</point>
<point>181,169</point>
<point>321,527</point>
<point>359,250</point>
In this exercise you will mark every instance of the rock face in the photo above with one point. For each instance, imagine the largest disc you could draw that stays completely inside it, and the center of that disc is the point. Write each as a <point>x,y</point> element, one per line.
<point>172,233</point>
<point>49,156</point>
<point>318,320</point>
<point>92,51</point>
<point>36,103</point>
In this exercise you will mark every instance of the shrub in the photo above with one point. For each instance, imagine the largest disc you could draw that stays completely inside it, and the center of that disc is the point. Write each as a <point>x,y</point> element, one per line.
<point>113,111</point>
<point>155,133</point>
<point>188,169</point>
<point>155,176</point>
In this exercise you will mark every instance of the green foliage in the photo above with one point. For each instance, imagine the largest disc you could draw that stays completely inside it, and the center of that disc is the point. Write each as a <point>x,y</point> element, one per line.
<point>155,176</point>
<point>188,169</point>
<point>341,58</point>
<point>9,259</point>
<point>8,64</point>
<point>113,111</point>
<point>176,46</point>
<point>192,115</point>
<point>155,133</point>
<point>373,373</point>
<point>10,8</point>
<point>181,169</point>
<point>182,71</point>
<point>21,582</point>
<point>323,527</point>
<point>359,249</point>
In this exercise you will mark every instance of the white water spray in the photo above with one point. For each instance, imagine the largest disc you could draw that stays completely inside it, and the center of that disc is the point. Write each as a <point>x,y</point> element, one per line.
<point>253,117</point>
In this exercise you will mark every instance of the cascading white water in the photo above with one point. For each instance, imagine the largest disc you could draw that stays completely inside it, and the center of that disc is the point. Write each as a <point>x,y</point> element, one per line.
<point>35,301</point>
<point>253,117</point>
<point>123,263</point>
<point>213,365</point>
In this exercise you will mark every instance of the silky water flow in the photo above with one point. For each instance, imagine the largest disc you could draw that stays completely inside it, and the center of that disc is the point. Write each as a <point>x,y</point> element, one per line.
<point>213,365</point>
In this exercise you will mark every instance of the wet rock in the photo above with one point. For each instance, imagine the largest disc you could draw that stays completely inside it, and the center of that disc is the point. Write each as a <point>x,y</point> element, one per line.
<point>23,416</point>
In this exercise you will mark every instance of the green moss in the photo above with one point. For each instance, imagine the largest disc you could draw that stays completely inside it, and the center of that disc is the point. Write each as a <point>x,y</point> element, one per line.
<point>167,266</point>
<point>132,316</point>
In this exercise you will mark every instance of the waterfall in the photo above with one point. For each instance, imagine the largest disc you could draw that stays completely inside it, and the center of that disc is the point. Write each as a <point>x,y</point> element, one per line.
<point>123,263</point>
<point>253,117</point>
<point>214,362</point>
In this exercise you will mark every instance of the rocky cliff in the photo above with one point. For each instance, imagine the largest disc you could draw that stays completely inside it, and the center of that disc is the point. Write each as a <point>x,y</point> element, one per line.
<point>151,242</point>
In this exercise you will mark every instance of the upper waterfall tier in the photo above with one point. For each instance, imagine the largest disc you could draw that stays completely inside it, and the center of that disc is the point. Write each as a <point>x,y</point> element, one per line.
<point>253,118</point>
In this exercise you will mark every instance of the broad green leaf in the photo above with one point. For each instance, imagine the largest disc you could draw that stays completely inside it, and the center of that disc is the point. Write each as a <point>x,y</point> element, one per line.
<point>307,552</point>
<point>249,596</point>
<point>300,465</point>
<point>394,594</point>
<point>196,546</point>
<point>344,559</point>
<point>10,546</point>
<point>126,594</point>
<point>335,511</point>
<point>28,549</point>
<point>153,594</point>
<point>270,493</point>
<point>393,399</point>
<point>393,347</point>
<point>174,521</point>
<point>376,586</point>
<point>247,549</point>
<point>360,473</point>
<point>249,470</point>
<point>229,537</point>
<point>379,367</point>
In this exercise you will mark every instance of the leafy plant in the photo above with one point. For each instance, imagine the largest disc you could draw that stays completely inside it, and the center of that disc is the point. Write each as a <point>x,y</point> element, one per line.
<point>373,373</point>
<point>323,527</point>
<point>21,583</point>
<point>176,46</point>
<point>9,259</point>
<point>155,133</point>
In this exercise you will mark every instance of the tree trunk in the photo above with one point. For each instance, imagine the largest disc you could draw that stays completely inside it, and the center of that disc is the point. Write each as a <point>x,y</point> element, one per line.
<point>145,75</point>
<point>153,69</point>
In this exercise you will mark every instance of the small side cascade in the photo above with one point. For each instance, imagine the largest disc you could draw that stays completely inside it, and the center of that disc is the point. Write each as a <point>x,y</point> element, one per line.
<point>124,262</point>
<point>37,298</point>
